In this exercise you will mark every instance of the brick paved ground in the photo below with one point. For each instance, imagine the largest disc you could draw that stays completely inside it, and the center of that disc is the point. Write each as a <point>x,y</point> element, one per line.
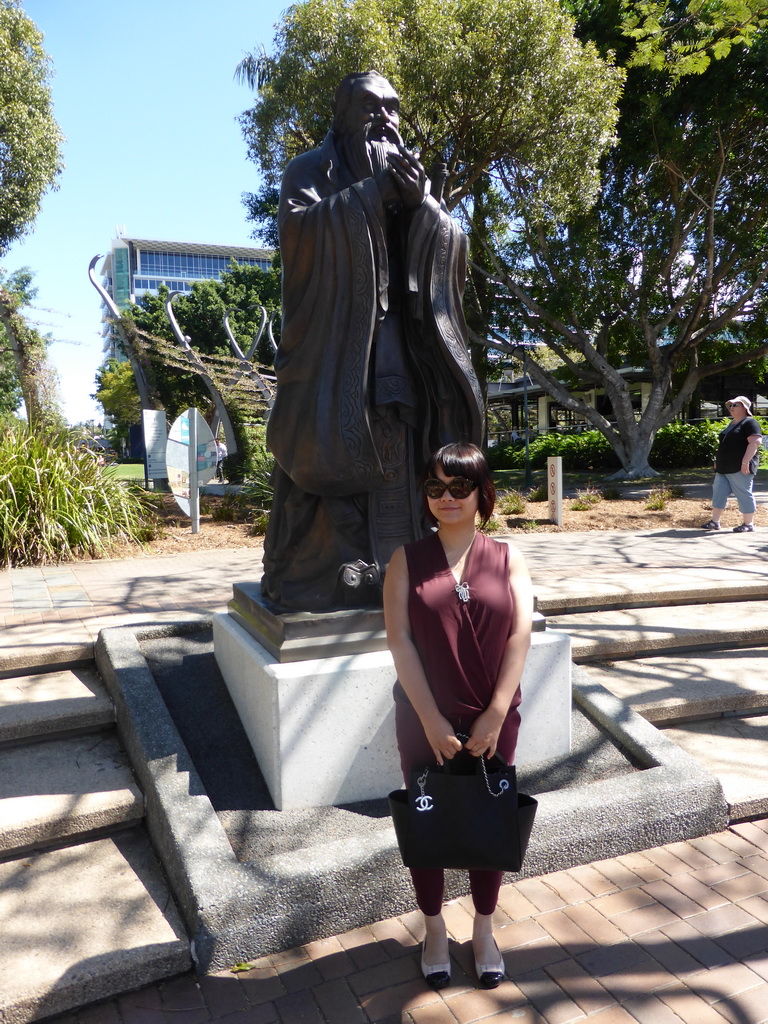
<point>670,935</point>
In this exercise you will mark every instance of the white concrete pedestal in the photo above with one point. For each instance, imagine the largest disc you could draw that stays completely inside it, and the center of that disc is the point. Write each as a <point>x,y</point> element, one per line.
<point>323,730</point>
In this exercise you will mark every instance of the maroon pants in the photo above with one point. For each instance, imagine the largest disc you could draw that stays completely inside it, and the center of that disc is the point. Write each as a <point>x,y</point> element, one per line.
<point>415,752</point>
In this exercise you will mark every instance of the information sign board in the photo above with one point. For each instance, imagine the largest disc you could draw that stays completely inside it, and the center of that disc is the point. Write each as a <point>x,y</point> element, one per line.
<point>153,423</point>
<point>190,458</point>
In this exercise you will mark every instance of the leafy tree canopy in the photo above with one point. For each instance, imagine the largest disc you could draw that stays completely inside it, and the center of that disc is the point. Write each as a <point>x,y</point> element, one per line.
<point>668,272</point>
<point>682,38</point>
<point>19,285</point>
<point>117,394</point>
<point>24,353</point>
<point>484,84</point>
<point>30,138</point>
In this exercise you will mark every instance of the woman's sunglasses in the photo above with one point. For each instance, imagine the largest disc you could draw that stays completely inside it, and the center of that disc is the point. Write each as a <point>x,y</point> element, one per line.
<point>459,487</point>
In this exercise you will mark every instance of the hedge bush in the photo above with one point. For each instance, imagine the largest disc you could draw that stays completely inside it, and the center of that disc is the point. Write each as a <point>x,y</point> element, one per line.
<point>253,463</point>
<point>586,451</point>
<point>685,445</point>
<point>676,446</point>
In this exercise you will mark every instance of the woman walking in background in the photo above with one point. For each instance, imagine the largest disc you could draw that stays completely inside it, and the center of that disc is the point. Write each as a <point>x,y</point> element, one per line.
<point>736,464</point>
<point>458,607</point>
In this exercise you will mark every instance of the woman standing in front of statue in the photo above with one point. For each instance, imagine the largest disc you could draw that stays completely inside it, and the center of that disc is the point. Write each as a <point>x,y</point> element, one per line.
<point>458,608</point>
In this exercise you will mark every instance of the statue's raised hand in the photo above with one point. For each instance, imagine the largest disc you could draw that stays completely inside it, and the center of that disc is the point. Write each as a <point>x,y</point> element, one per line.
<point>410,177</point>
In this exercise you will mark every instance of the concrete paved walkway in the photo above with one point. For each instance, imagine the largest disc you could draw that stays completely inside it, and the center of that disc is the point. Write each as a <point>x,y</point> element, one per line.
<point>66,606</point>
<point>58,611</point>
<point>678,934</point>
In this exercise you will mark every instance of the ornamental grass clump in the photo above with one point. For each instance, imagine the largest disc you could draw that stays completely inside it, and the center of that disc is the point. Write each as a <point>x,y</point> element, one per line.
<point>58,503</point>
<point>586,498</point>
<point>658,498</point>
<point>510,503</point>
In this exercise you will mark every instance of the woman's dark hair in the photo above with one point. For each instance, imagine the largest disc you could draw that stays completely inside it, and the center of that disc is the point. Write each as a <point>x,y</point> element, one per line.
<point>464,459</point>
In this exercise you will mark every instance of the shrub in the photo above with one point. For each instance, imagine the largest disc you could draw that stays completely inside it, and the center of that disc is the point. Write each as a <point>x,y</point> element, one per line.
<point>253,460</point>
<point>492,526</point>
<point>586,498</point>
<point>510,503</point>
<point>58,503</point>
<point>676,446</point>
<point>260,522</point>
<point>586,451</point>
<point>658,498</point>
<point>684,445</point>
<point>228,510</point>
<point>610,493</point>
<point>539,493</point>
<point>207,506</point>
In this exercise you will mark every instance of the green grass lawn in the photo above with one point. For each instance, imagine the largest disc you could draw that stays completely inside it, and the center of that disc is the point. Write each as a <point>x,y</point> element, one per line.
<point>128,471</point>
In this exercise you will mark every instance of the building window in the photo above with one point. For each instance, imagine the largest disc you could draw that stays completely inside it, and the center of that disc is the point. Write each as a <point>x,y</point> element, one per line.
<point>148,284</point>
<point>186,265</point>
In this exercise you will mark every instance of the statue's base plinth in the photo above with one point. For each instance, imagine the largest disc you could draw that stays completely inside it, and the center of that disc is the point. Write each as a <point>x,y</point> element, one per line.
<point>299,636</point>
<point>323,727</point>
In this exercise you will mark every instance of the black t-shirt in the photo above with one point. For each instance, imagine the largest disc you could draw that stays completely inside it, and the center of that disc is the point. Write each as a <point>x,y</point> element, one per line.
<point>733,445</point>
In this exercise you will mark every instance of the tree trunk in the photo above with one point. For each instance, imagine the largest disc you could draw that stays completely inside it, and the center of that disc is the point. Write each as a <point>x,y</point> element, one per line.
<point>635,460</point>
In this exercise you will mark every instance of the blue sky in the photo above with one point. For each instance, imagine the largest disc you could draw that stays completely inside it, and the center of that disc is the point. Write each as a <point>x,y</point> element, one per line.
<point>144,93</point>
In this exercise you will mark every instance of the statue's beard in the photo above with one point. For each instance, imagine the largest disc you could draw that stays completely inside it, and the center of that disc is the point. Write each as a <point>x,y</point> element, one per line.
<point>365,157</point>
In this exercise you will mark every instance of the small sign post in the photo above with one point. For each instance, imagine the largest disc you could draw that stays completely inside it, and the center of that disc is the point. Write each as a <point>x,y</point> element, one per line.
<point>555,489</point>
<point>191,459</point>
<point>153,424</point>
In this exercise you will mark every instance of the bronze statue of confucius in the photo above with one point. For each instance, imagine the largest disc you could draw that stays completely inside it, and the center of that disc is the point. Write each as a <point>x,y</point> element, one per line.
<point>372,371</point>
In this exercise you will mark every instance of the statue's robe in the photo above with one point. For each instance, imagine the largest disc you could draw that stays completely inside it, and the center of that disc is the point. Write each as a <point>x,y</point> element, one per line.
<point>372,373</point>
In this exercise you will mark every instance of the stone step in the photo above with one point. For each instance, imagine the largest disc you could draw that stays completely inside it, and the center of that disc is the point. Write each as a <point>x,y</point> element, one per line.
<point>608,587</point>
<point>55,647</point>
<point>52,702</point>
<point>735,750</point>
<point>85,923</point>
<point>670,688</point>
<point>629,633</point>
<point>64,787</point>
<point>711,704</point>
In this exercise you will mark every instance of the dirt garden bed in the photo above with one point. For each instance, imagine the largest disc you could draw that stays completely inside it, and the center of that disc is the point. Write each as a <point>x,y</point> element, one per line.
<point>624,514</point>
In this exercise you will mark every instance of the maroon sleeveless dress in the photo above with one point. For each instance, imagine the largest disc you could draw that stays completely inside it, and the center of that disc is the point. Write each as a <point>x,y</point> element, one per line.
<point>461,643</point>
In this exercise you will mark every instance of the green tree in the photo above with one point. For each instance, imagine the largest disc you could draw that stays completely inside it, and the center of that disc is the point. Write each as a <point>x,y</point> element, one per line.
<point>30,138</point>
<point>117,394</point>
<point>487,87</point>
<point>25,354</point>
<point>484,84</point>
<point>668,271</point>
<point>11,397</point>
<point>683,38</point>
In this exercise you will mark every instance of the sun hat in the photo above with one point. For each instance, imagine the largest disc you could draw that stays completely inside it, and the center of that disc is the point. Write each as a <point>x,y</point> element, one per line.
<point>740,399</point>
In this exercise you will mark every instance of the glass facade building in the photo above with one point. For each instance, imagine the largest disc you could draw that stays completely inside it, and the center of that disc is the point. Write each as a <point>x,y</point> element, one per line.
<point>135,267</point>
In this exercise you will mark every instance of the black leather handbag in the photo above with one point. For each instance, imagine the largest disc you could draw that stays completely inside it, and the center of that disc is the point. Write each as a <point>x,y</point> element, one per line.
<point>466,814</point>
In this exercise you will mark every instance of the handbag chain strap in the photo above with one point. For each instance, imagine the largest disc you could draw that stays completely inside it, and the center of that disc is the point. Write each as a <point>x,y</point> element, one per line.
<point>503,783</point>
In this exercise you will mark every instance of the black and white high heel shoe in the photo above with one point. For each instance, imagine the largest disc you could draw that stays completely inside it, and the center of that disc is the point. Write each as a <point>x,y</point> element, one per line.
<point>437,976</point>
<point>490,975</point>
